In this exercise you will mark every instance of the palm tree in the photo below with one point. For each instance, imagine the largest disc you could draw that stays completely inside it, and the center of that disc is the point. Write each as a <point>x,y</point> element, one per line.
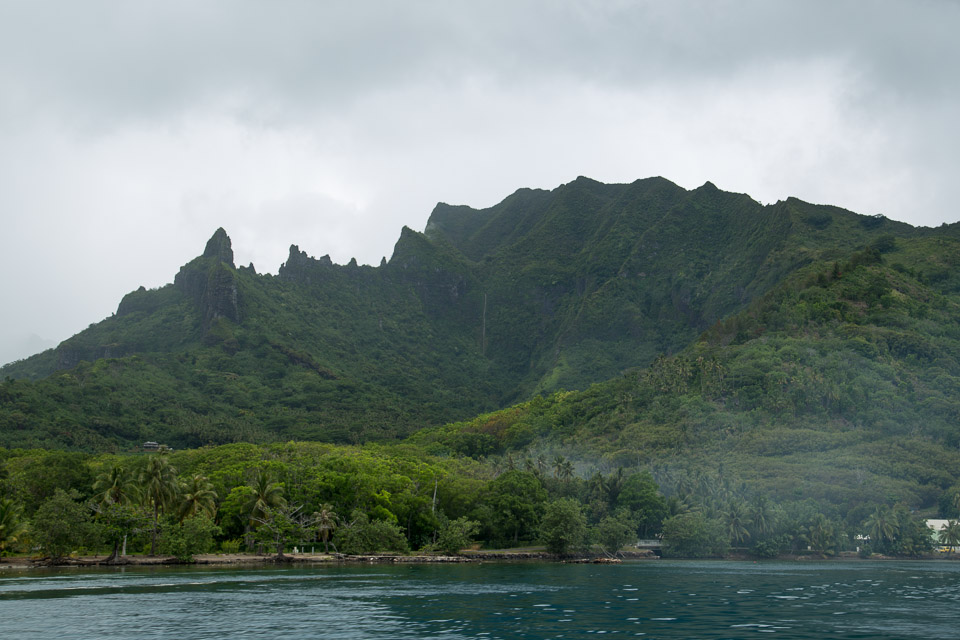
<point>197,496</point>
<point>882,526</point>
<point>677,505</point>
<point>326,521</point>
<point>158,487</point>
<point>266,495</point>
<point>558,465</point>
<point>566,470</point>
<point>598,486</point>
<point>760,515</point>
<point>115,486</point>
<point>736,519</point>
<point>615,485</point>
<point>950,534</point>
<point>11,526</point>
<point>685,485</point>
<point>819,534</point>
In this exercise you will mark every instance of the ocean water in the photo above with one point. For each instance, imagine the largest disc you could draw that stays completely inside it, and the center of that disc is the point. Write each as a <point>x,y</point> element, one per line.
<point>649,599</point>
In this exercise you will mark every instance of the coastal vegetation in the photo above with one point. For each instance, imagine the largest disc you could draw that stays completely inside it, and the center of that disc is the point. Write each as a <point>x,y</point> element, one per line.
<point>574,369</point>
<point>362,500</point>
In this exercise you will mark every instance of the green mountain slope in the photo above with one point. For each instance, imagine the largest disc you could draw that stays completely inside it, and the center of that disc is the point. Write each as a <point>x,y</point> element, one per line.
<point>545,291</point>
<point>840,384</point>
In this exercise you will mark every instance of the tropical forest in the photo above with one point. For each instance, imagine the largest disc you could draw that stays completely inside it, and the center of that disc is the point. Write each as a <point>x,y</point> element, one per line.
<point>571,371</point>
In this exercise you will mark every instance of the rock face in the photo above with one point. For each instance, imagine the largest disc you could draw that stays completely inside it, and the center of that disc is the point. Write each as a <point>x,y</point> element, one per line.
<point>139,300</point>
<point>211,281</point>
<point>69,356</point>
<point>303,269</point>
<point>219,247</point>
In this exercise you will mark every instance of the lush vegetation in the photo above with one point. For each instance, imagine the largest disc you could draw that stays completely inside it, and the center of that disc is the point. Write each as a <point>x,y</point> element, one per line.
<point>769,379</point>
<point>545,291</point>
<point>840,386</point>
<point>358,500</point>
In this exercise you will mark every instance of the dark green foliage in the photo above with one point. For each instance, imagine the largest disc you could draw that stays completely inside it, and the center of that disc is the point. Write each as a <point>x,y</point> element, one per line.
<point>843,388</point>
<point>646,507</point>
<point>613,532</point>
<point>183,540</point>
<point>62,525</point>
<point>514,502</point>
<point>115,521</point>
<point>363,535</point>
<point>11,524</point>
<point>455,535</point>
<point>693,535</point>
<point>563,528</point>
<point>546,290</point>
<point>782,371</point>
<point>277,527</point>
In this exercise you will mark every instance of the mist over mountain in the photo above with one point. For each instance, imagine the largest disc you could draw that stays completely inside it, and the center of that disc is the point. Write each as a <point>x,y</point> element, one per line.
<point>24,346</point>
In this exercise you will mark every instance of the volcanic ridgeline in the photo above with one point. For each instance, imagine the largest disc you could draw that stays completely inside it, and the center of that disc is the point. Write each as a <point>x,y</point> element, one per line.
<point>547,290</point>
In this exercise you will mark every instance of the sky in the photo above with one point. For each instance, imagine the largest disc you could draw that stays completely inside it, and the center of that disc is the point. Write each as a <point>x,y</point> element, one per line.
<point>130,131</point>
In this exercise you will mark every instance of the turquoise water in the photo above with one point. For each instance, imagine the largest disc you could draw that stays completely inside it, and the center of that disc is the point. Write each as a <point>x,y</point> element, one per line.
<point>653,599</point>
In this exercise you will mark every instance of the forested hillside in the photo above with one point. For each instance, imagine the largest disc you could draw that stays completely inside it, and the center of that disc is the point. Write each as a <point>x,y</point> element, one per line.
<point>545,291</point>
<point>842,384</point>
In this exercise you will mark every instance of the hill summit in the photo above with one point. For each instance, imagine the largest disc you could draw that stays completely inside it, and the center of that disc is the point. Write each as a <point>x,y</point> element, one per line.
<point>544,291</point>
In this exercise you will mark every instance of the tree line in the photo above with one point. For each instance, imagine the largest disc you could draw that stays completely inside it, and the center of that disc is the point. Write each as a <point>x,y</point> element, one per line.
<point>358,500</point>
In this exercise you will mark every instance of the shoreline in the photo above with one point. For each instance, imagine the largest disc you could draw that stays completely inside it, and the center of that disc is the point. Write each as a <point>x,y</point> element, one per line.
<point>237,559</point>
<point>242,559</point>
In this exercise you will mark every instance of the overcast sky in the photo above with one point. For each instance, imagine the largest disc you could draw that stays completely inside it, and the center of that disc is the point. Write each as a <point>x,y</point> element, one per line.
<point>130,131</point>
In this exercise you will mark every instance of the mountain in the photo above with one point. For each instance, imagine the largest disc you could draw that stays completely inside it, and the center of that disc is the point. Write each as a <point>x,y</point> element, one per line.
<point>840,384</point>
<point>547,290</point>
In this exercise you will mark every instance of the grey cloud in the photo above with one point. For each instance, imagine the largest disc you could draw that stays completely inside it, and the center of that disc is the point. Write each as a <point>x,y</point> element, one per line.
<point>121,59</point>
<point>331,124</point>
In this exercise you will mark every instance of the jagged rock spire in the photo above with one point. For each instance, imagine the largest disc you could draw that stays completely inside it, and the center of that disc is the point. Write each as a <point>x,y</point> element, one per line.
<point>219,247</point>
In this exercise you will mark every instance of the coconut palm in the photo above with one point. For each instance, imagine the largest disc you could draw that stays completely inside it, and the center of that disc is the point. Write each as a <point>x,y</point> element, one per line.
<point>820,534</point>
<point>267,494</point>
<point>158,488</point>
<point>737,519</point>
<point>882,526</point>
<point>116,486</point>
<point>597,485</point>
<point>11,526</point>
<point>326,522</point>
<point>197,496</point>
<point>677,505</point>
<point>760,515</point>
<point>950,534</point>
<point>558,465</point>
<point>615,485</point>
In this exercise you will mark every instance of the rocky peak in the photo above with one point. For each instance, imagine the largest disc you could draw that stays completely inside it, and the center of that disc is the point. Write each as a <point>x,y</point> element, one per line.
<point>219,247</point>
<point>300,267</point>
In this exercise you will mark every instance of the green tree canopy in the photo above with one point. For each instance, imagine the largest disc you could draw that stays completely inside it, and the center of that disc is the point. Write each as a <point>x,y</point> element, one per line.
<point>564,526</point>
<point>62,525</point>
<point>515,499</point>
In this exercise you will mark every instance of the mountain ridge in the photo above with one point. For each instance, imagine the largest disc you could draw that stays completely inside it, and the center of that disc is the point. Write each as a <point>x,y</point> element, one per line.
<point>546,290</point>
